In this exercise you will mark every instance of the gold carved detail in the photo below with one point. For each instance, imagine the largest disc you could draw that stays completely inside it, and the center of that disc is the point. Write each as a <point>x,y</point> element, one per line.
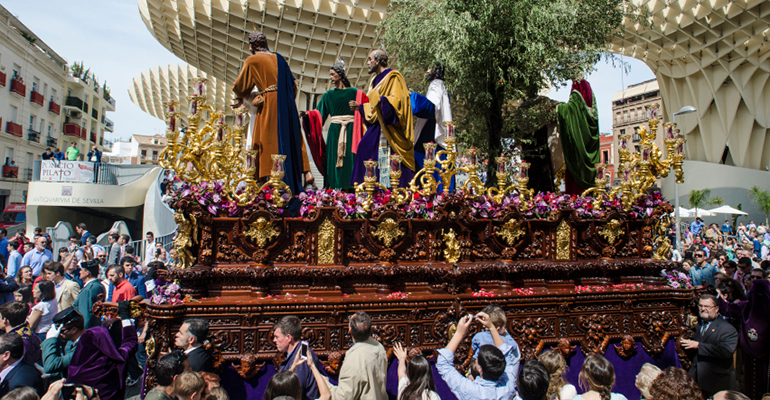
<point>187,235</point>
<point>149,345</point>
<point>511,231</point>
<point>388,231</point>
<point>563,239</point>
<point>611,231</point>
<point>261,231</point>
<point>326,239</point>
<point>452,250</point>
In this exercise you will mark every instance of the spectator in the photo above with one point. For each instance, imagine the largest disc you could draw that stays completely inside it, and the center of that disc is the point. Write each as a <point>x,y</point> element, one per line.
<point>16,371</point>
<point>190,338</point>
<point>123,241</point>
<point>7,288</point>
<point>41,318</point>
<point>753,315</point>
<point>14,258</point>
<point>95,247</point>
<point>13,318</point>
<point>598,376</point>
<point>25,277</point>
<point>48,154</point>
<point>95,156</point>
<point>113,257</point>
<point>189,386</point>
<point>756,273</point>
<point>59,154</point>
<point>102,353</point>
<point>25,393</point>
<point>92,292</point>
<point>219,393</point>
<point>283,384</point>
<point>66,290</point>
<point>711,349</point>
<point>72,152</point>
<point>702,273</point>
<point>84,233</point>
<point>416,381</point>
<point>24,294</point>
<point>493,362</point>
<point>556,366</point>
<point>287,335</point>
<point>727,229</point>
<point>4,251</point>
<point>696,227</point>
<point>732,395</point>
<point>744,269</point>
<point>644,379</point>
<point>149,248</point>
<point>365,369</point>
<point>534,381</point>
<point>675,384</point>
<point>61,341</point>
<point>497,315</point>
<point>167,368</point>
<point>130,251</point>
<point>36,257</point>
<point>134,277</point>
<point>122,288</point>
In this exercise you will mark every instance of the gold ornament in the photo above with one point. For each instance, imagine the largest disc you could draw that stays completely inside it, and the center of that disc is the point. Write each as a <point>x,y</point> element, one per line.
<point>326,240</point>
<point>187,235</point>
<point>149,346</point>
<point>563,239</point>
<point>388,231</point>
<point>611,231</point>
<point>511,231</point>
<point>452,250</point>
<point>261,231</point>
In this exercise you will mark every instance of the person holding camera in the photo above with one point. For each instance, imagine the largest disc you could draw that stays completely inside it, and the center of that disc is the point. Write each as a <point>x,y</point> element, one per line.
<point>92,292</point>
<point>61,341</point>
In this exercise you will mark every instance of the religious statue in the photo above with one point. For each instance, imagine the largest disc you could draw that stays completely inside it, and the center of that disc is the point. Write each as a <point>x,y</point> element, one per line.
<point>564,348</point>
<point>275,127</point>
<point>335,157</point>
<point>578,121</point>
<point>249,367</point>
<point>390,122</point>
<point>627,347</point>
<point>187,233</point>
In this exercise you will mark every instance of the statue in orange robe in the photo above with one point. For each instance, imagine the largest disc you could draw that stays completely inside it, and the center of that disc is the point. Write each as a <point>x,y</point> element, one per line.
<point>275,121</point>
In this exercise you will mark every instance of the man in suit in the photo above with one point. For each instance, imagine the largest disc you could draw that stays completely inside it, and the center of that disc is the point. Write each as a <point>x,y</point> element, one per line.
<point>61,341</point>
<point>190,338</point>
<point>67,291</point>
<point>83,232</point>
<point>113,257</point>
<point>14,371</point>
<point>712,349</point>
<point>13,318</point>
<point>92,292</point>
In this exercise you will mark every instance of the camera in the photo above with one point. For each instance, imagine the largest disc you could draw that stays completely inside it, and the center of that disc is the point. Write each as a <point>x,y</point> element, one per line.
<point>157,252</point>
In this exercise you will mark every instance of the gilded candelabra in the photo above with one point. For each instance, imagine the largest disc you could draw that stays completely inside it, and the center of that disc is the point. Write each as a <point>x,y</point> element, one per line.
<point>211,151</point>
<point>370,184</point>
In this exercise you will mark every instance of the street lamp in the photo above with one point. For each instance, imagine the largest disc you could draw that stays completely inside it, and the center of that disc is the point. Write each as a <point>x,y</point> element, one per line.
<point>682,111</point>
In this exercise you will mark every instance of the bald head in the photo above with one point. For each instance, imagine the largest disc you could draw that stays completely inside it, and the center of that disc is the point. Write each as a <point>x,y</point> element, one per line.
<point>377,61</point>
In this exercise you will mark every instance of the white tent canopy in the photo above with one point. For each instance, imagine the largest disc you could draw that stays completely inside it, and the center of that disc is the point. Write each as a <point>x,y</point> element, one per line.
<point>728,210</point>
<point>683,213</point>
<point>701,213</point>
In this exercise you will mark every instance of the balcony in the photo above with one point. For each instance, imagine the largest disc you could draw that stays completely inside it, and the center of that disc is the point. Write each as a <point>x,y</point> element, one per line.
<point>54,108</point>
<point>95,114</point>
<point>18,87</point>
<point>72,130</point>
<point>109,125</point>
<point>109,100</point>
<point>93,137</point>
<point>72,101</point>
<point>2,79</point>
<point>37,98</point>
<point>51,141</point>
<point>33,135</point>
<point>14,129</point>
<point>10,171</point>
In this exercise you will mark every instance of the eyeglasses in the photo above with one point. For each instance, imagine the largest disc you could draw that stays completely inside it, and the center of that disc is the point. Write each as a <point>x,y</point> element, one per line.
<point>700,307</point>
<point>699,255</point>
<point>754,277</point>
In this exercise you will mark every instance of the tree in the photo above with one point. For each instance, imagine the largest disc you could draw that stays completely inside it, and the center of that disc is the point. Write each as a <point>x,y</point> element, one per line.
<point>701,198</point>
<point>498,51</point>
<point>761,199</point>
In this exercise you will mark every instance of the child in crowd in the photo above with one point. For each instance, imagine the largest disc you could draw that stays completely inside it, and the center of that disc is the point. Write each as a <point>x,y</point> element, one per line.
<point>415,381</point>
<point>189,386</point>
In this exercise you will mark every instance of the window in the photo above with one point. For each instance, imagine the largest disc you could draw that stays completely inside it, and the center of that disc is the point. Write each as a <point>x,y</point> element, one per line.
<point>35,84</point>
<point>617,117</point>
<point>144,153</point>
<point>155,155</point>
<point>50,129</point>
<point>622,131</point>
<point>16,71</point>
<point>53,95</point>
<point>42,125</point>
<point>45,89</point>
<point>8,155</point>
<point>14,114</point>
<point>606,156</point>
<point>32,120</point>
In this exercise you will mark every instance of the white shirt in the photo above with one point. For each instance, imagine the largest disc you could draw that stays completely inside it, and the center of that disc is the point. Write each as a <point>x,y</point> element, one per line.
<point>426,395</point>
<point>49,309</point>
<point>188,351</point>
<point>8,369</point>
<point>149,252</point>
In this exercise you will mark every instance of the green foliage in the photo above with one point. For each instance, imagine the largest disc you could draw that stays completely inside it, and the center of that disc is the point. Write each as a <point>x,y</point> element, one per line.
<point>701,198</point>
<point>496,51</point>
<point>761,199</point>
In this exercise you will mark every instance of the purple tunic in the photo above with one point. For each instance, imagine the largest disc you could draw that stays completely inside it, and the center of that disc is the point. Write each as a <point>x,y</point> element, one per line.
<point>369,146</point>
<point>97,362</point>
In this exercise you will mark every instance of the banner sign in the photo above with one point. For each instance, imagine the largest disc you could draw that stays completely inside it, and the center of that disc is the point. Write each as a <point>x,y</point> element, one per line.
<point>66,171</point>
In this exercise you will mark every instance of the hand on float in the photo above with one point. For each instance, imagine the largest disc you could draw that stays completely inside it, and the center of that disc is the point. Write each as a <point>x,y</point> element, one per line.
<point>463,324</point>
<point>399,351</point>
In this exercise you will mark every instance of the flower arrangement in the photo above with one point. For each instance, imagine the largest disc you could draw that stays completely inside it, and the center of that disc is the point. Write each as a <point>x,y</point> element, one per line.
<point>678,280</point>
<point>211,196</point>
<point>166,293</point>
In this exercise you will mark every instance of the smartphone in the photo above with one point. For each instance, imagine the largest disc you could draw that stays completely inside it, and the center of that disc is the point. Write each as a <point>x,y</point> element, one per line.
<point>303,350</point>
<point>68,391</point>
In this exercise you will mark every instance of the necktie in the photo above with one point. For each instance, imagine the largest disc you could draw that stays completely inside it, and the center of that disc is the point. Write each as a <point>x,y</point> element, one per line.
<point>705,328</point>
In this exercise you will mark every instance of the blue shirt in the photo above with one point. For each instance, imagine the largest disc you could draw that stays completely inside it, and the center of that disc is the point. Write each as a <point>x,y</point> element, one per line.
<point>35,259</point>
<point>727,229</point>
<point>481,389</point>
<point>4,249</point>
<point>14,263</point>
<point>84,238</point>
<point>696,227</point>
<point>702,276</point>
<point>485,337</point>
<point>137,281</point>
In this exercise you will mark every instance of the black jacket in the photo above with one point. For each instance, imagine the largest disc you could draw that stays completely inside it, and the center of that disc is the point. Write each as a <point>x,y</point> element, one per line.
<point>712,365</point>
<point>200,360</point>
<point>23,374</point>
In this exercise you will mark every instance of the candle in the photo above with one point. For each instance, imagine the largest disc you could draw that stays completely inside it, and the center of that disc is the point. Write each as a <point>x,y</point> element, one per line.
<point>450,131</point>
<point>472,155</point>
<point>370,165</point>
<point>502,164</point>
<point>671,132</point>
<point>626,174</point>
<point>249,159</point>
<point>220,134</point>
<point>430,151</point>
<point>524,170</point>
<point>278,162</point>
<point>171,123</point>
<point>239,119</point>
<point>679,146</point>
<point>171,107</point>
<point>646,153</point>
<point>200,88</point>
<point>652,111</point>
<point>395,163</point>
<point>599,171</point>
<point>623,142</point>
<point>193,107</point>
<point>221,119</point>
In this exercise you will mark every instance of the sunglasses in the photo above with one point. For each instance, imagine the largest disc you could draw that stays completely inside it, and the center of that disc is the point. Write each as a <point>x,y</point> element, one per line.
<point>699,255</point>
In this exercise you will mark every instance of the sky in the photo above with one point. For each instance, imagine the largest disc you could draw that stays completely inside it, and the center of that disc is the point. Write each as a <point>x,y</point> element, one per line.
<point>110,37</point>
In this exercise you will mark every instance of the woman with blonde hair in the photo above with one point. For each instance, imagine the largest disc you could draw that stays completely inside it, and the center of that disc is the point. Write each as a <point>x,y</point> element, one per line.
<point>598,376</point>
<point>555,364</point>
<point>644,379</point>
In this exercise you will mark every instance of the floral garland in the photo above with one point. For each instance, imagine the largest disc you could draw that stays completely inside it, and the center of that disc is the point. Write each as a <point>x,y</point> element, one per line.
<point>166,293</point>
<point>677,280</point>
<point>212,197</point>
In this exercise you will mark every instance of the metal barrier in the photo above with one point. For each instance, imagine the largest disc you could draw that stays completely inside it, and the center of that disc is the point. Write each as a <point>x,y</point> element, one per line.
<point>167,241</point>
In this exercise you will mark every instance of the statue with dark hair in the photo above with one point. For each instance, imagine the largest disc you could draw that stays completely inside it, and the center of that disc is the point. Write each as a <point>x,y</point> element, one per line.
<point>334,157</point>
<point>267,81</point>
<point>430,112</point>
